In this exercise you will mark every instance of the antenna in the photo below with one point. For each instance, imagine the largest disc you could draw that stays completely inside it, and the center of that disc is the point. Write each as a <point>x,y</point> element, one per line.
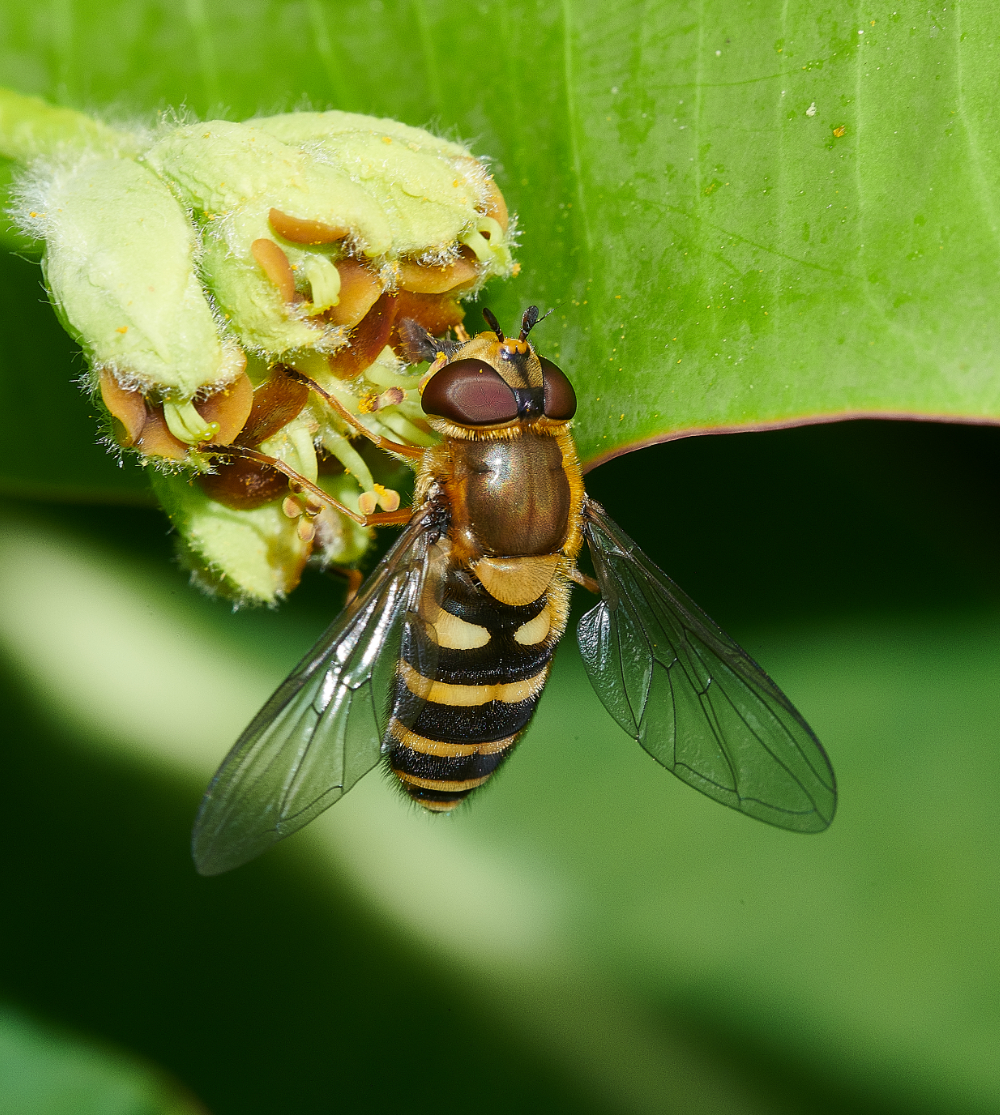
<point>530,320</point>
<point>492,322</point>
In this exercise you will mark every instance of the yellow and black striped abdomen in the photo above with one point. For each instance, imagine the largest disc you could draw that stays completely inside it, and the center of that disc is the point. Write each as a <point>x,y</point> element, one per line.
<point>449,732</point>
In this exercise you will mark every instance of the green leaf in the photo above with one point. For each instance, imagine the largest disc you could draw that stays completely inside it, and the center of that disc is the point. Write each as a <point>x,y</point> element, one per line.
<point>744,217</point>
<point>45,1072</point>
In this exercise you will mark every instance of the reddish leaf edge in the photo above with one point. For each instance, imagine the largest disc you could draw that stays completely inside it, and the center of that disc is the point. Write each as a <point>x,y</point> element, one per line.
<point>589,464</point>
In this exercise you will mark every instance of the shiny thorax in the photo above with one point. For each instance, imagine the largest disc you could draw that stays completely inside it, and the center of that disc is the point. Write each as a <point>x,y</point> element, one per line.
<point>511,493</point>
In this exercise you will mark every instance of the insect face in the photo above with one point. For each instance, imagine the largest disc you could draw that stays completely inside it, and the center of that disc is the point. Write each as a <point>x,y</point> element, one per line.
<point>490,383</point>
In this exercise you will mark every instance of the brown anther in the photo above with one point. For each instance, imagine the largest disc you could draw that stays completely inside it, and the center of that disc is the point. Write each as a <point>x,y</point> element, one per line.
<point>276,402</point>
<point>243,484</point>
<point>368,339</point>
<point>127,407</point>
<point>156,440</point>
<point>391,397</point>
<point>229,408</point>
<point>440,278</point>
<point>360,289</point>
<point>291,507</point>
<point>301,231</point>
<point>367,503</point>
<point>437,313</point>
<point>275,266</point>
<point>306,529</point>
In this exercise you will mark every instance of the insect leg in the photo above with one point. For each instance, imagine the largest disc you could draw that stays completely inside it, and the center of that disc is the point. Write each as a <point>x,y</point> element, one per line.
<point>354,577</point>
<point>353,420</point>
<point>300,485</point>
<point>586,582</point>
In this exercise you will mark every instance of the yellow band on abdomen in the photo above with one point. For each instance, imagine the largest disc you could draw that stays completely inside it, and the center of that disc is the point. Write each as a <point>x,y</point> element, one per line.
<point>440,783</point>
<point>443,693</point>
<point>442,750</point>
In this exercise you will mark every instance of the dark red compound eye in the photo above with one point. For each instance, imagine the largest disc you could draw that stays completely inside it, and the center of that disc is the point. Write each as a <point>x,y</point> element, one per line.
<point>560,398</point>
<point>470,393</point>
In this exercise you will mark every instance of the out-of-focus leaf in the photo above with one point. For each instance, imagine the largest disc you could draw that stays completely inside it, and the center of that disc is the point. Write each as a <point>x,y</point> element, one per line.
<point>743,216</point>
<point>45,1072</point>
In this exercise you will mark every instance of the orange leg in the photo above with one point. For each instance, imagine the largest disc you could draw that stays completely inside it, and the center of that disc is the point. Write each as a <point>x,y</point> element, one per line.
<point>299,484</point>
<point>354,578</point>
<point>586,582</point>
<point>382,442</point>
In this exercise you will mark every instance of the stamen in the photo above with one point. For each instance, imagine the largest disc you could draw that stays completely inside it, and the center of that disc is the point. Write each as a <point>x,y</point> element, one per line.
<point>367,503</point>
<point>387,498</point>
<point>483,237</point>
<point>291,507</point>
<point>306,529</point>
<point>186,424</point>
<point>368,403</point>
<point>324,283</point>
<point>479,244</point>
<point>371,402</point>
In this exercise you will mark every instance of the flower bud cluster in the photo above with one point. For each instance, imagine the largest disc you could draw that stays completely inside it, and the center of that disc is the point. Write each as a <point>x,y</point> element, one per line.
<point>210,277</point>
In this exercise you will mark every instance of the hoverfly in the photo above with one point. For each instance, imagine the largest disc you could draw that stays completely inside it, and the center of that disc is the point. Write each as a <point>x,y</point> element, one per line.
<point>437,665</point>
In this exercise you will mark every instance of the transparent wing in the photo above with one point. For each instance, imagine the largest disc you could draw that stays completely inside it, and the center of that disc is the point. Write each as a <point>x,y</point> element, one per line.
<point>321,730</point>
<point>693,698</point>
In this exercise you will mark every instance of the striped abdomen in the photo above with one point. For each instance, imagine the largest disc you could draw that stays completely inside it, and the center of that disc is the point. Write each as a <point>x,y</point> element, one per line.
<point>467,686</point>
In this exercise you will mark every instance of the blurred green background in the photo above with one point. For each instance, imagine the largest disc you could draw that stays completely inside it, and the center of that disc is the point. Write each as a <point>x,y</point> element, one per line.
<point>589,935</point>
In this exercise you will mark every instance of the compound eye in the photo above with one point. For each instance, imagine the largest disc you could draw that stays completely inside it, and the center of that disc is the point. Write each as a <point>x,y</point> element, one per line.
<point>560,398</point>
<point>470,393</point>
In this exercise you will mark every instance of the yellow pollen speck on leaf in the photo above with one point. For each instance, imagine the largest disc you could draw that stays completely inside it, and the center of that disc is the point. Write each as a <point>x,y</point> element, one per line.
<point>122,329</point>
